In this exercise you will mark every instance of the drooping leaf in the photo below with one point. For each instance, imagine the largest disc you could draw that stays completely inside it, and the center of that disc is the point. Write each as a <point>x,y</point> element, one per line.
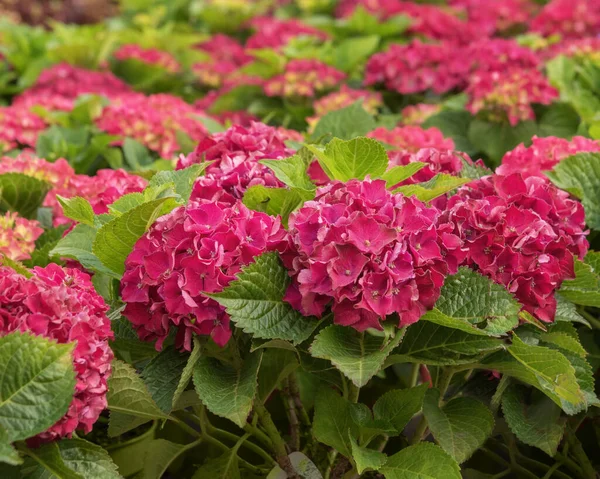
<point>537,424</point>
<point>129,400</point>
<point>187,372</point>
<point>225,390</point>
<point>333,420</point>
<point>160,453</point>
<point>345,123</point>
<point>78,209</point>
<point>277,364</point>
<point>255,302</point>
<point>439,185</point>
<point>398,406</point>
<point>400,173</point>
<point>358,355</point>
<point>8,454</point>
<point>567,312</point>
<point>291,171</point>
<point>424,460</point>
<point>21,193</point>
<point>366,458</point>
<point>36,386</point>
<point>162,376</point>
<point>460,426</point>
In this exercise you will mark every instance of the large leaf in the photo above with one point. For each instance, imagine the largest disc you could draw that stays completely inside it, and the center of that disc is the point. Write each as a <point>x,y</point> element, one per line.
<point>129,401</point>
<point>291,171</point>
<point>162,376</point>
<point>226,466</point>
<point>8,454</point>
<point>474,304</point>
<point>333,420</point>
<point>51,464</point>
<point>429,343</point>
<point>546,369</point>
<point>78,209</point>
<point>225,390</point>
<point>559,119</point>
<point>274,201</point>
<point>454,124</point>
<point>183,180</point>
<point>159,456</point>
<point>21,193</point>
<point>495,139</point>
<point>580,175</point>
<point>115,240</point>
<point>255,302</point>
<point>421,461</point>
<point>36,386</point>
<point>188,371</point>
<point>398,406</point>
<point>460,426</point>
<point>585,288</point>
<point>277,364</point>
<point>356,158</point>
<point>358,355</point>
<point>366,458</point>
<point>537,424</point>
<point>439,185</point>
<point>345,123</point>
<point>400,173</point>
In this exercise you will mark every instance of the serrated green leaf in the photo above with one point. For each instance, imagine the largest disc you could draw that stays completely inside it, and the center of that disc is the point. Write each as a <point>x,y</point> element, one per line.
<point>21,193</point>
<point>162,376</point>
<point>183,180</point>
<point>421,461</point>
<point>439,185</point>
<point>136,155</point>
<point>460,426</point>
<point>564,341</point>
<point>78,209</point>
<point>186,373</point>
<point>537,424</point>
<point>129,400</point>
<point>303,466</point>
<point>276,365</point>
<point>77,245</point>
<point>160,453</point>
<point>333,420</point>
<point>37,383</point>
<point>365,458</point>
<point>559,119</point>
<point>356,158</point>
<point>127,344</point>
<point>225,390</point>
<point>496,138</point>
<point>397,174</point>
<point>585,288</point>
<point>51,463</point>
<point>429,343</point>
<point>581,173</point>
<point>226,466</point>
<point>274,201</point>
<point>345,123</point>
<point>358,355</point>
<point>255,302</point>
<point>291,171</point>
<point>8,454</point>
<point>475,304</point>
<point>115,240</point>
<point>473,170</point>
<point>400,405</point>
<point>454,124</point>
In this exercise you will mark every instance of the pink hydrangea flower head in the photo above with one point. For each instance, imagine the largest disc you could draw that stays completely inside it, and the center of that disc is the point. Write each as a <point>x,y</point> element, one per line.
<point>369,253</point>
<point>235,155</point>
<point>17,236</point>
<point>304,78</point>
<point>410,139</point>
<point>578,48</point>
<point>491,17</point>
<point>214,74</point>
<point>150,56</point>
<point>222,47</point>
<point>416,115</point>
<point>19,127</point>
<point>62,305</point>
<point>568,18</point>
<point>436,160</point>
<point>193,250</point>
<point>523,233</point>
<point>509,94</point>
<point>153,121</point>
<point>544,154</point>
<point>499,54</point>
<point>274,33</point>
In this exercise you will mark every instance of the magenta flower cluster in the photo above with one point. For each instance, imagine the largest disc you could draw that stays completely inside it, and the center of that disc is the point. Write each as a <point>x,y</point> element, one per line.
<point>61,304</point>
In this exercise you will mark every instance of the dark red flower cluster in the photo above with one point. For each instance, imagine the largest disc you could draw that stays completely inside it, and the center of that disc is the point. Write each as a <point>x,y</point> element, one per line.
<point>193,250</point>
<point>235,154</point>
<point>150,56</point>
<point>369,253</point>
<point>523,233</point>
<point>274,33</point>
<point>568,18</point>
<point>304,78</point>
<point>544,154</point>
<point>61,304</point>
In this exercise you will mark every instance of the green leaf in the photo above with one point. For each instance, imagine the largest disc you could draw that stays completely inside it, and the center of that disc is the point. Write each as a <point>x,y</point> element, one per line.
<point>37,383</point>
<point>398,406</point>
<point>566,312</point>
<point>136,155</point>
<point>255,302</point>
<point>473,170</point>
<point>78,209</point>
<point>129,400</point>
<point>429,343</point>
<point>421,461</point>
<point>160,453</point>
<point>475,304</point>
<point>559,119</point>
<point>303,466</point>
<point>352,52</point>
<point>495,139</point>
<point>358,355</point>
<point>225,390</point>
<point>115,240</point>
<point>546,369</point>
<point>21,193</point>
<point>273,201</point>
<point>585,288</point>
<point>51,462</point>
<point>397,174</point>
<point>580,174</point>
<point>333,420</point>
<point>182,179</point>
<point>77,245</point>
<point>277,364</point>
<point>460,426</point>
<point>188,371</point>
<point>454,124</point>
<point>345,123</point>
<point>439,185</point>
<point>356,158</point>
<point>8,454</point>
<point>127,344</point>
<point>366,458</point>
<point>162,375</point>
<point>226,466</point>
<point>43,245</point>
<point>537,424</point>
<point>291,171</point>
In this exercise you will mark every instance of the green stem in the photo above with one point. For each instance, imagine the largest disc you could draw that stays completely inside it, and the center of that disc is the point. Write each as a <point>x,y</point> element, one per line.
<point>278,442</point>
<point>512,465</point>
<point>419,431</point>
<point>502,474</point>
<point>290,409</point>
<point>247,444</point>
<point>353,392</point>
<point>332,457</point>
<point>552,470</point>
<point>595,322</point>
<point>295,391</point>
<point>580,456</point>
<point>443,382</point>
<point>186,427</point>
<point>414,375</point>
<point>261,436</point>
<point>243,463</point>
